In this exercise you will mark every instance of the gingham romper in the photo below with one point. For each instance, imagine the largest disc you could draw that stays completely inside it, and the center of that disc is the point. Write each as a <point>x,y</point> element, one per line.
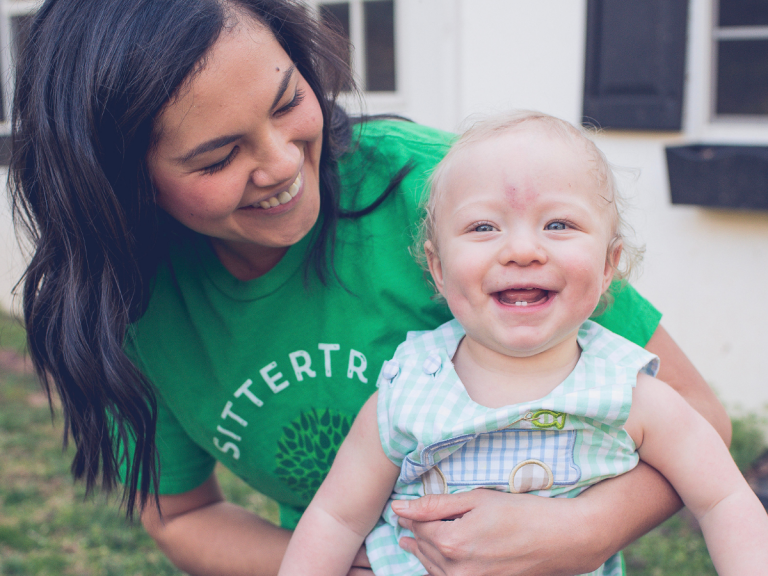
<point>555,446</point>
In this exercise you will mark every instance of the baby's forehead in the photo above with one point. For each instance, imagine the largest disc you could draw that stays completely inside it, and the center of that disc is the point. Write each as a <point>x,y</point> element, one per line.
<point>527,149</point>
<point>553,162</point>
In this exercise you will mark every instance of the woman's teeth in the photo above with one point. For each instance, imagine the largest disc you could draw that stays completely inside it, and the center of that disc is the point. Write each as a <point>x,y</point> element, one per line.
<point>284,197</point>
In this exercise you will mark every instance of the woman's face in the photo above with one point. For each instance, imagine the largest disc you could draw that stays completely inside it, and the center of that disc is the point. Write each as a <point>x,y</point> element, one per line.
<point>238,152</point>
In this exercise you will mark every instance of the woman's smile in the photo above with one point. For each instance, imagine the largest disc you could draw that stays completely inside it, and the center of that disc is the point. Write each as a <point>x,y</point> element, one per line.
<point>281,201</point>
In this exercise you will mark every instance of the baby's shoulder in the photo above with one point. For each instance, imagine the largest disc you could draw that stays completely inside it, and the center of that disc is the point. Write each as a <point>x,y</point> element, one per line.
<point>606,350</point>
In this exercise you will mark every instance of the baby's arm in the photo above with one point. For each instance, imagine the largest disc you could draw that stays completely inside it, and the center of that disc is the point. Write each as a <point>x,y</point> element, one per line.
<point>677,441</point>
<point>347,505</point>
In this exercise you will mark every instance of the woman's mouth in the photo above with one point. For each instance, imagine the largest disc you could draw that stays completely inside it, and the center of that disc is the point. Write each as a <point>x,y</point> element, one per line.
<point>523,296</point>
<point>283,197</point>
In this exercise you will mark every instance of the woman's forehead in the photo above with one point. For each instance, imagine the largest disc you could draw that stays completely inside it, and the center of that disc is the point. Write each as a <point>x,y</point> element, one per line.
<point>238,79</point>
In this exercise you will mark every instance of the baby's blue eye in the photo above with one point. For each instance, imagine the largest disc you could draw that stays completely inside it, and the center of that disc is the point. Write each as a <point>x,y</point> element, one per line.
<point>555,226</point>
<point>483,228</point>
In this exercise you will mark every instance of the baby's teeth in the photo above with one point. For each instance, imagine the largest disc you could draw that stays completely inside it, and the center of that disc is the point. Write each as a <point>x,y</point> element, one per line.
<point>523,303</point>
<point>284,197</point>
<point>273,202</point>
<point>264,204</point>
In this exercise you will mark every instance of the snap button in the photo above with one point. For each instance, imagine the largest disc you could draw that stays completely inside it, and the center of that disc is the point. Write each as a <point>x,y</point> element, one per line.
<point>390,370</point>
<point>432,364</point>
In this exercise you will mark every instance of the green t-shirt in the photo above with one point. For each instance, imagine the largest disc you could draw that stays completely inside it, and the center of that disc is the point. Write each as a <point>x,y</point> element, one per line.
<point>266,376</point>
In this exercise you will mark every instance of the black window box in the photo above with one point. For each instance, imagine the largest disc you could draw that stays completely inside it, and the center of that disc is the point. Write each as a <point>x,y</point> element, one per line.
<point>719,176</point>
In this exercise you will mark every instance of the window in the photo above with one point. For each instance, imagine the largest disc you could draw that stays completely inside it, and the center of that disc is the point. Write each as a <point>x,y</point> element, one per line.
<point>370,26</point>
<point>15,16</point>
<point>635,64</point>
<point>740,54</point>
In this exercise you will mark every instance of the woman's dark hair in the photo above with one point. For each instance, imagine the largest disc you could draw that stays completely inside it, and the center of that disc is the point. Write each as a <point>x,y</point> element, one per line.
<point>91,79</point>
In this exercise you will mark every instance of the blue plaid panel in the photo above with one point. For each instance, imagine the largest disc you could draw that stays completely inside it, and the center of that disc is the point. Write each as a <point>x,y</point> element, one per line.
<point>489,458</point>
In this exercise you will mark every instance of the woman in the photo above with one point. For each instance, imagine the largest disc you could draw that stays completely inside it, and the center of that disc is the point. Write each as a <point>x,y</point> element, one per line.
<point>247,318</point>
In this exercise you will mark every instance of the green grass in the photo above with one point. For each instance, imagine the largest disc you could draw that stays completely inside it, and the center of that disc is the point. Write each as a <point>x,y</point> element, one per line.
<point>676,548</point>
<point>12,335</point>
<point>47,527</point>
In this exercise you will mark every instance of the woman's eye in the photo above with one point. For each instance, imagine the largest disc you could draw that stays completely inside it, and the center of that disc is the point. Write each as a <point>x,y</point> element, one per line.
<point>556,226</point>
<point>483,228</point>
<point>298,97</point>
<point>213,168</point>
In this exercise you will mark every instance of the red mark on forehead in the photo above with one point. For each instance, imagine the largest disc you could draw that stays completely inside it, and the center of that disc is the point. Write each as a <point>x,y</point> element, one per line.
<point>520,197</point>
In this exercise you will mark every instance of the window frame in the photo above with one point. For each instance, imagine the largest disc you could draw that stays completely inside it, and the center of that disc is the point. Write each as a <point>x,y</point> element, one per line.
<point>726,33</point>
<point>8,10</point>
<point>375,101</point>
<point>699,120</point>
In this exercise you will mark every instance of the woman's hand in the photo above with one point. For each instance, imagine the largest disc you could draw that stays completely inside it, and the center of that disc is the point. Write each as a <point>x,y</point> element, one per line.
<point>497,533</point>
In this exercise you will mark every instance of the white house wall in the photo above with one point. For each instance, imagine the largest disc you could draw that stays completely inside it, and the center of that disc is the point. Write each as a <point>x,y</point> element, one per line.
<point>704,269</point>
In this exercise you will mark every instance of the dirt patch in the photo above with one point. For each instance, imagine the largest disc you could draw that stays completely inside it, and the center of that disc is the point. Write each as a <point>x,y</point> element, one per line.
<point>12,361</point>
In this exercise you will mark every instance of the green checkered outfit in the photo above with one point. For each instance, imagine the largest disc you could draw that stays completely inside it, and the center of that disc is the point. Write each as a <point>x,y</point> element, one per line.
<point>555,446</point>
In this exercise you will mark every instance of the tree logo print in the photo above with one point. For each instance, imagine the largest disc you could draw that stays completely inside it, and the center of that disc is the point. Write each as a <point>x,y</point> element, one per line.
<point>307,448</point>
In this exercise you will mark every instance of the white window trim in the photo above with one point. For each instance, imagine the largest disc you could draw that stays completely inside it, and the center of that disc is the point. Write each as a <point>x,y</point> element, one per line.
<point>9,9</point>
<point>699,120</point>
<point>374,102</point>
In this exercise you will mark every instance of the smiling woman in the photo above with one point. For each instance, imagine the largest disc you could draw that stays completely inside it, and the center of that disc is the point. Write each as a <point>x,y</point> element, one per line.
<point>250,129</point>
<point>221,266</point>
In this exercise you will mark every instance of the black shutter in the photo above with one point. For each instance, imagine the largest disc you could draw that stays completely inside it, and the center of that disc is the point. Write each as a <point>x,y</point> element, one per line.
<point>635,64</point>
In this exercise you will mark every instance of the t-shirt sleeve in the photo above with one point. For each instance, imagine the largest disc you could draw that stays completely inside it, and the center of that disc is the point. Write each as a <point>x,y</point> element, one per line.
<point>630,315</point>
<point>183,464</point>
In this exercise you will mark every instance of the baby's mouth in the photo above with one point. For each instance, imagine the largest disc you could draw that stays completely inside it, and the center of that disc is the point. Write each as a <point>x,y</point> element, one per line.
<point>523,296</point>
<point>284,197</point>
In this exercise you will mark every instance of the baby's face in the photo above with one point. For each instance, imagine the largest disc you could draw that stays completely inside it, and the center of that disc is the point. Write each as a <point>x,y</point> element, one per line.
<point>522,234</point>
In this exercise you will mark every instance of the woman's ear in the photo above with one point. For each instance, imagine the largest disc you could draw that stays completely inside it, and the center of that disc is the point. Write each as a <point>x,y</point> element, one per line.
<point>612,259</point>
<point>435,267</point>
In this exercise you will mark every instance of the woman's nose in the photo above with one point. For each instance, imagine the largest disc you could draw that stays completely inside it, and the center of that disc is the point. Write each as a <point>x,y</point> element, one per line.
<point>523,248</point>
<point>277,161</point>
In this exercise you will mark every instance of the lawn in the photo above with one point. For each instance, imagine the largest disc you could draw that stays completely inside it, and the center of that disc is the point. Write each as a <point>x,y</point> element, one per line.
<point>47,527</point>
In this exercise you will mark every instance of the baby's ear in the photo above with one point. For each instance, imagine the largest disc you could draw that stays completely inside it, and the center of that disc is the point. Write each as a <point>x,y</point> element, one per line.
<point>435,266</point>
<point>612,259</point>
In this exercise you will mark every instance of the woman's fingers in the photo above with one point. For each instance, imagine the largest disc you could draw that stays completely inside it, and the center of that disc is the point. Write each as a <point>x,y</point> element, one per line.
<point>434,507</point>
<point>493,534</point>
<point>427,554</point>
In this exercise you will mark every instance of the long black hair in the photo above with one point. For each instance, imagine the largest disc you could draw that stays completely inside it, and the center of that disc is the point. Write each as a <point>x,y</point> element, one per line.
<point>92,77</point>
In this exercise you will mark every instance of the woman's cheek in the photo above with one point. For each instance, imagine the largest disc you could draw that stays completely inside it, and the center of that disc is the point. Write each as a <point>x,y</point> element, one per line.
<point>218,195</point>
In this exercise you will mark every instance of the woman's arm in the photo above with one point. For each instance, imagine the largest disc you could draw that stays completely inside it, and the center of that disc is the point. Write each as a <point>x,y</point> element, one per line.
<point>204,535</point>
<point>518,534</point>
<point>347,505</point>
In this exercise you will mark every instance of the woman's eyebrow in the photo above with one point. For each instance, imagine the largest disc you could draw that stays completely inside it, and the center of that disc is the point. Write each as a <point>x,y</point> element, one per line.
<point>283,85</point>
<point>220,141</point>
<point>207,146</point>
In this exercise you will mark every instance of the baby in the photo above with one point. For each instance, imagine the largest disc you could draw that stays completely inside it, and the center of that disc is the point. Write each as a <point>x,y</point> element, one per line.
<point>521,392</point>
